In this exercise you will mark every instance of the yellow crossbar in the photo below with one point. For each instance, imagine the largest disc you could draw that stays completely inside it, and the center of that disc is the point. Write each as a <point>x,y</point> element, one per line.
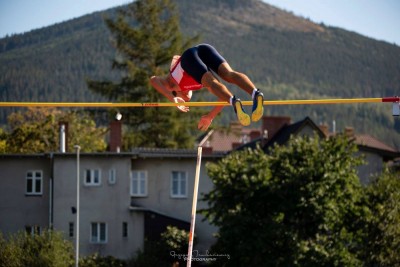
<point>196,104</point>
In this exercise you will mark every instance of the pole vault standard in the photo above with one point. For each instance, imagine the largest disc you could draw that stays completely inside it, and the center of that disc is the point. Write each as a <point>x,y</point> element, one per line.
<point>195,193</point>
<point>394,99</point>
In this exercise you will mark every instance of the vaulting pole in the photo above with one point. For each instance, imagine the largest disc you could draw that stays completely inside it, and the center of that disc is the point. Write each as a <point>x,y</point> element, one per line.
<point>194,202</point>
<point>395,99</point>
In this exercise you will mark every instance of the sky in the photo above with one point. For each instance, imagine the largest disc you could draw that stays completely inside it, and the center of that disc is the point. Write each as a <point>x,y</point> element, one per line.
<point>378,19</point>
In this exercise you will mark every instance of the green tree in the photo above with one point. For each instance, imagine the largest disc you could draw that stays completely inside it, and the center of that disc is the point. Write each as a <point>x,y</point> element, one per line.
<point>3,142</point>
<point>382,243</point>
<point>97,261</point>
<point>297,206</point>
<point>161,252</point>
<point>36,131</point>
<point>48,249</point>
<point>146,36</point>
<point>11,253</point>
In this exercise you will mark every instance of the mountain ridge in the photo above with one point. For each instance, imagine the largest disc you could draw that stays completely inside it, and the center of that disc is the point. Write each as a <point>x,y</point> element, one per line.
<point>286,55</point>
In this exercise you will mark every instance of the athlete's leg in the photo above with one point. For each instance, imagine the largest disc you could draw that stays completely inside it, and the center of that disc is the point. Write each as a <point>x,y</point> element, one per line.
<point>220,90</point>
<point>241,80</point>
<point>216,87</point>
<point>231,76</point>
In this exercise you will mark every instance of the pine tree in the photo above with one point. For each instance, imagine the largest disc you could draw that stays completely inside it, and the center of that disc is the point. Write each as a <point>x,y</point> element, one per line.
<point>147,35</point>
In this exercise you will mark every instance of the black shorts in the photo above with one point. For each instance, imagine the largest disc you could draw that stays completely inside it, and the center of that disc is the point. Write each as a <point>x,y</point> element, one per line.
<point>199,59</point>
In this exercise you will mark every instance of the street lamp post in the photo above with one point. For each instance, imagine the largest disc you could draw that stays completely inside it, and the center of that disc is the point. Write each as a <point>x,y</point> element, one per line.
<point>78,148</point>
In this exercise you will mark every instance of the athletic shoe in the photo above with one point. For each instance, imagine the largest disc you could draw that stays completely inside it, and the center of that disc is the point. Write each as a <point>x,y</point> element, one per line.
<point>242,116</point>
<point>258,106</point>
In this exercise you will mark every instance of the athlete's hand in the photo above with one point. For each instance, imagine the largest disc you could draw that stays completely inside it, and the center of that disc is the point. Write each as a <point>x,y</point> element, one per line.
<point>204,123</point>
<point>181,108</point>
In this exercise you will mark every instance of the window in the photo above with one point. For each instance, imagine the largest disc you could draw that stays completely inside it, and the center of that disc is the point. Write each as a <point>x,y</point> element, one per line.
<point>179,184</point>
<point>98,232</point>
<point>139,183</point>
<point>34,182</point>
<point>124,229</point>
<point>92,177</point>
<point>112,176</point>
<point>71,229</point>
<point>33,230</point>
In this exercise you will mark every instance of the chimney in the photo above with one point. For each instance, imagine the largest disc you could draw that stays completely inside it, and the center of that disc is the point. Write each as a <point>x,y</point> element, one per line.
<point>207,150</point>
<point>349,132</point>
<point>325,129</point>
<point>272,124</point>
<point>235,145</point>
<point>63,127</point>
<point>334,127</point>
<point>236,127</point>
<point>264,138</point>
<point>254,135</point>
<point>115,136</point>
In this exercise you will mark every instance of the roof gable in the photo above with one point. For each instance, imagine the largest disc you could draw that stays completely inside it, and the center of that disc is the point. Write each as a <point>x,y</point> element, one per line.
<point>284,134</point>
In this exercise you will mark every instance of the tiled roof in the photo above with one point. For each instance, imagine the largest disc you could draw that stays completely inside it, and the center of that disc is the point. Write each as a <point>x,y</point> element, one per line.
<point>364,141</point>
<point>371,142</point>
<point>170,153</point>
<point>222,140</point>
<point>283,135</point>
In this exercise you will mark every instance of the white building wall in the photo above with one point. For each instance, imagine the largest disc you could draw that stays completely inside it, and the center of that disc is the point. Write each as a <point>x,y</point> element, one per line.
<point>105,203</point>
<point>18,209</point>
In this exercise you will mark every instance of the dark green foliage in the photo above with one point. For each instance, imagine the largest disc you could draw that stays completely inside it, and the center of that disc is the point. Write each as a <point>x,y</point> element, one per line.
<point>161,253</point>
<point>298,206</point>
<point>48,249</point>
<point>98,261</point>
<point>382,241</point>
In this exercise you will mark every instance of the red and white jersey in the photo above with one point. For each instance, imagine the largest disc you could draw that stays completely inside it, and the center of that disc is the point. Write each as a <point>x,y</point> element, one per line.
<point>182,78</point>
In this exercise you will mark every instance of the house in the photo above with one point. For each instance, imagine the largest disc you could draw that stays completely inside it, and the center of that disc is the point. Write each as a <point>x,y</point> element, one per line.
<point>125,198</point>
<point>278,130</point>
<point>375,153</point>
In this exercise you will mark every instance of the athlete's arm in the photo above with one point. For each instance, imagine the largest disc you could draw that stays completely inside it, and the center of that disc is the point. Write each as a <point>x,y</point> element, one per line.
<point>187,95</point>
<point>163,87</point>
<point>207,119</point>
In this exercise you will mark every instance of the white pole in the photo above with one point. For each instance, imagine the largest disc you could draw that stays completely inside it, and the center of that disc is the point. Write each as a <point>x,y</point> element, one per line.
<point>77,206</point>
<point>194,203</point>
<point>62,138</point>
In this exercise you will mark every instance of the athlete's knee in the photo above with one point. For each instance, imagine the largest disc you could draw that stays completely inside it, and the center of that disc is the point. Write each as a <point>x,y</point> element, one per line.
<point>208,79</point>
<point>231,76</point>
<point>215,85</point>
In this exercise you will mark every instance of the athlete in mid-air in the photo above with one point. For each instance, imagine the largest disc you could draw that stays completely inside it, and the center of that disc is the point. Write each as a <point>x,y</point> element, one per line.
<point>192,71</point>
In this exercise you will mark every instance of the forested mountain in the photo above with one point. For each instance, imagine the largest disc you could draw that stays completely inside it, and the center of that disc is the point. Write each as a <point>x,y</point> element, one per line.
<point>288,57</point>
